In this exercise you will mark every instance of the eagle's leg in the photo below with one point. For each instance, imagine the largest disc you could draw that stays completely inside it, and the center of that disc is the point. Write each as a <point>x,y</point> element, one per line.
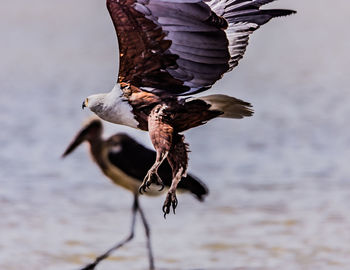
<point>152,174</point>
<point>178,160</point>
<point>161,134</point>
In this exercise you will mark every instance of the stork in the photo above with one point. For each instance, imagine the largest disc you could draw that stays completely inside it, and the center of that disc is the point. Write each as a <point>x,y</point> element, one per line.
<point>126,162</point>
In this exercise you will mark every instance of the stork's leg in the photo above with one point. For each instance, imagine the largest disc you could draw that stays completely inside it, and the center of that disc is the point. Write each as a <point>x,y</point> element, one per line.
<point>148,236</point>
<point>105,255</point>
<point>161,134</point>
<point>178,160</point>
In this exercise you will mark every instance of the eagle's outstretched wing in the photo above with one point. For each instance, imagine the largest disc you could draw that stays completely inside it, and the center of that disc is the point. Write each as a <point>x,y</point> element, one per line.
<point>243,17</point>
<point>183,46</point>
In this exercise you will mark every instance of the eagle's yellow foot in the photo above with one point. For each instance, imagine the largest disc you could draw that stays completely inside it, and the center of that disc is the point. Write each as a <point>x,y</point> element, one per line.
<point>152,177</point>
<point>170,201</point>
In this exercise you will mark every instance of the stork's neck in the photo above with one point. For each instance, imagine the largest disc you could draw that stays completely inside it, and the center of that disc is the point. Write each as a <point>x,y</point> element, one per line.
<point>96,149</point>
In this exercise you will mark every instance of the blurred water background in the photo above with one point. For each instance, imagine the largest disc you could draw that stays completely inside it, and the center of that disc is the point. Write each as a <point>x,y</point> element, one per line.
<point>279,181</point>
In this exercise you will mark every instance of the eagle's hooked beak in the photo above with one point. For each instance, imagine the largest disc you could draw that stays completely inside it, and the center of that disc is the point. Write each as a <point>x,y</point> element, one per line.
<point>85,104</point>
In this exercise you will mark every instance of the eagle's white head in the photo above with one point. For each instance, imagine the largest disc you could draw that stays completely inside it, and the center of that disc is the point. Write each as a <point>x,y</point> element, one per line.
<point>112,107</point>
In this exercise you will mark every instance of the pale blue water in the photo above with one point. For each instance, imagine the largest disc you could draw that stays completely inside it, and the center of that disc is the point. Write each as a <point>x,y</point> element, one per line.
<point>279,181</point>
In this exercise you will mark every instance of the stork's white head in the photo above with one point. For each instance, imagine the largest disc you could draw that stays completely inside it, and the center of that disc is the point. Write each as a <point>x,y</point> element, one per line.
<point>112,107</point>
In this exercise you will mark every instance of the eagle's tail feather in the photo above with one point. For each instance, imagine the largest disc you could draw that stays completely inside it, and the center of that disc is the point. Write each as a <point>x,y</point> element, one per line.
<point>230,106</point>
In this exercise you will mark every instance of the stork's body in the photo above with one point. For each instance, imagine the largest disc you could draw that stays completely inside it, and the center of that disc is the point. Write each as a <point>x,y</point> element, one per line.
<point>126,162</point>
<point>174,48</point>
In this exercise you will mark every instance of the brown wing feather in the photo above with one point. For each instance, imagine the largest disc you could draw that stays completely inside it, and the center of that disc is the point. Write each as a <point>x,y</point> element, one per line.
<point>142,47</point>
<point>171,47</point>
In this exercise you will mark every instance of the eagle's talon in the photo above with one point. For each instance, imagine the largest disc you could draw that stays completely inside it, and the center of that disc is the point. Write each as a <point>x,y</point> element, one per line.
<point>174,203</point>
<point>166,210</point>
<point>161,187</point>
<point>143,188</point>
<point>152,177</point>
<point>170,202</point>
<point>140,190</point>
<point>158,180</point>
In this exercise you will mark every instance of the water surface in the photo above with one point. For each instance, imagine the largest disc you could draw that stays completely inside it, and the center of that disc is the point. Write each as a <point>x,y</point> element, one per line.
<point>279,181</point>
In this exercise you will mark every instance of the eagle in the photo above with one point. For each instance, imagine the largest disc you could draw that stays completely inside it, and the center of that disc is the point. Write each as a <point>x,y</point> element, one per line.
<point>170,50</point>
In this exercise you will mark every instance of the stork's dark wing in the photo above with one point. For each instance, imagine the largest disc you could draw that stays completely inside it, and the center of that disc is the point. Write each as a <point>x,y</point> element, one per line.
<point>180,46</point>
<point>135,160</point>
